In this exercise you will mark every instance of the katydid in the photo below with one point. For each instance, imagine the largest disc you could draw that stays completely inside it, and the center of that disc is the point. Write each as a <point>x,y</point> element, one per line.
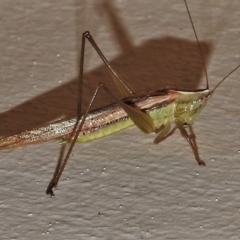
<point>159,111</point>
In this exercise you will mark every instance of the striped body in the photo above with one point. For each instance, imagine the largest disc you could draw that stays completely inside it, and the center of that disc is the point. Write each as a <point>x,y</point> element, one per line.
<point>163,106</point>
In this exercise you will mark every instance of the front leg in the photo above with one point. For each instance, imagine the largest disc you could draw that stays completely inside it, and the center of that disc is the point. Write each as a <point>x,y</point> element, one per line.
<point>191,139</point>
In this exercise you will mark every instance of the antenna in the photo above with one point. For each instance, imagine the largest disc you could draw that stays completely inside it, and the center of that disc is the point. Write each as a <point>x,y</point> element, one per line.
<point>212,91</point>
<point>199,47</point>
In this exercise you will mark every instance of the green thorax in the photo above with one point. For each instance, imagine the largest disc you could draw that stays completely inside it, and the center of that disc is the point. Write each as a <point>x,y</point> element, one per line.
<point>189,105</point>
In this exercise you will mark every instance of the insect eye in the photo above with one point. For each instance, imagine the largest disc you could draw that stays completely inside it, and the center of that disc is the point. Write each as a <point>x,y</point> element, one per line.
<point>202,98</point>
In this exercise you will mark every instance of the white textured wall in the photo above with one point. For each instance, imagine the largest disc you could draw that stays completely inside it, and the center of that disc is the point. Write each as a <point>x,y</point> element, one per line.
<point>123,186</point>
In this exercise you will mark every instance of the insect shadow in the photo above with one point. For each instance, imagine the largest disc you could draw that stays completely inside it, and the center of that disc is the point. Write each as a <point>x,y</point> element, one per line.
<point>157,63</point>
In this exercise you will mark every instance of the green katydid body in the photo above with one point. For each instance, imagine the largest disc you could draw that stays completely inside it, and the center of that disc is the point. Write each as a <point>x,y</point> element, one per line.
<point>163,106</point>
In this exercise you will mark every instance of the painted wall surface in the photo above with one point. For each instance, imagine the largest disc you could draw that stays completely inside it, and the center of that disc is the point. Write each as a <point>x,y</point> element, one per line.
<point>123,186</point>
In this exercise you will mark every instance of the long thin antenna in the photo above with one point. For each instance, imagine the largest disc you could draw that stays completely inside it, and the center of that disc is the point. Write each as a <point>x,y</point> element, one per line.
<point>212,91</point>
<point>199,47</point>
